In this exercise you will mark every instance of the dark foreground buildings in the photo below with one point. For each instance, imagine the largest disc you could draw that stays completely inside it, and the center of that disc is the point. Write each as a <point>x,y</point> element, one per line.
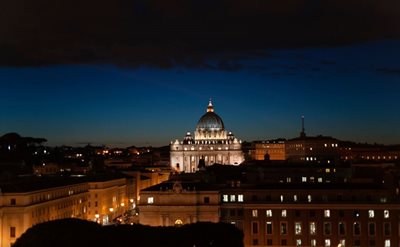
<point>285,204</point>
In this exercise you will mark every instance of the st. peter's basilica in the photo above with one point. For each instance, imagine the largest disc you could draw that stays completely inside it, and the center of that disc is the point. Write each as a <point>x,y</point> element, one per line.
<point>210,144</point>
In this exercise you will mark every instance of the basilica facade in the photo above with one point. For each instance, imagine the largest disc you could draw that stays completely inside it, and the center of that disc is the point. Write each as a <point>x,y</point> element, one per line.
<point>210,143</point>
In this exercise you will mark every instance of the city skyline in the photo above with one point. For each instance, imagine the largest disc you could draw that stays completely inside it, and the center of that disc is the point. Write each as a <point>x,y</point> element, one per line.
<point>123,73</point>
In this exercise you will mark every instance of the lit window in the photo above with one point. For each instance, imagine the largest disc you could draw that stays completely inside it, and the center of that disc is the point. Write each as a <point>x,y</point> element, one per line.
<point>387,242</point>
<point>225,198</point>
<point>268,213</point>
<point>309,198</point>
<point>150,200</point>
<point>240,198</point>
<point>327,170</point>
<point>371,214</point>
<point>325,145</point>
<point>327,242</point>
<point>233,198</point>
<point>281,198</point>
<point>313,242</point>
<point>313,228</point>
<point>386,214</point>
<point>254,213</point>
<point>283,213</point>
<point>303,179</point>
<point>342,243</point>
<point>295,198</point>
<point>297,228</point>
<point>298,242</point>
<point>327,213</point>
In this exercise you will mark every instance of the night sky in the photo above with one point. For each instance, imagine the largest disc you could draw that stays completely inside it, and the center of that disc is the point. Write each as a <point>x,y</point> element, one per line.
<point>121,73</point>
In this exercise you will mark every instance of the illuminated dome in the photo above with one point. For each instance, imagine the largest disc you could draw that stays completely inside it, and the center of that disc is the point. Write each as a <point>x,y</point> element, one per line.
<point>210,120</point>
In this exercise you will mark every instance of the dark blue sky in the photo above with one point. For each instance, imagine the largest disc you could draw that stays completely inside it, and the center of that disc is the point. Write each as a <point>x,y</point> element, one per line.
<point>349,92</point>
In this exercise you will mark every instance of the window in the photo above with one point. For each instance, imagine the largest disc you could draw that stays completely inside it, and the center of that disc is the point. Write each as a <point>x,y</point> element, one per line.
<point>387,242</point>
<point>283,228</point>
<point>297,228</point>
<point>356,214</point>
<point>371,214</point>
<point>327,228</point>
<point>386,214</point>
<point>298,242</point>
<point>342,228</point>
<point>309,198</point>
<point>303,179</point>
<point>342,243</point>
<point>341,213</point>
<point>313,242</point>
<point>371,229</point>
<point>312,213</point>
<point>283,242</point>
<point>225,198</point>
<point>12,232</point>
<point>284,213</point>
<point>240,198</point>
<point>269,241</point>
<point>206,199</point>
<point>233,198</point>
<point>327,213</point>
<point>269,227</point>
<point>297,213</point>
<point>254,227</point>
<point>356,228</point>
<point>255,241</point>
<point>357,243</point>
<point>150,200</point>
<point>268,213</point>
<point>372,242</point>
<point>313,228</point>
<point>13,201</point>
<point>295,198</point>
<point>327,242</point>
<point>254,213</point>
<point>386,229</point>
<point>281,198</point>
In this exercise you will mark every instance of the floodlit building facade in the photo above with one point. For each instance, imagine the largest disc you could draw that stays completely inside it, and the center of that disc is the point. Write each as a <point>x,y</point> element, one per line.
<point>295,212</point>
<point>209,144</point>
<point>30,202</point>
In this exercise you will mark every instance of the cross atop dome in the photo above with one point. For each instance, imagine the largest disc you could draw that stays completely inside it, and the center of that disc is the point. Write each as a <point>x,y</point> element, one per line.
<point>210,107</point>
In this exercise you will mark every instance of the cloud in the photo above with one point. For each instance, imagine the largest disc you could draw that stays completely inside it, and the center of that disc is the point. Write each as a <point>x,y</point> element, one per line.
<point>188,33</point>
